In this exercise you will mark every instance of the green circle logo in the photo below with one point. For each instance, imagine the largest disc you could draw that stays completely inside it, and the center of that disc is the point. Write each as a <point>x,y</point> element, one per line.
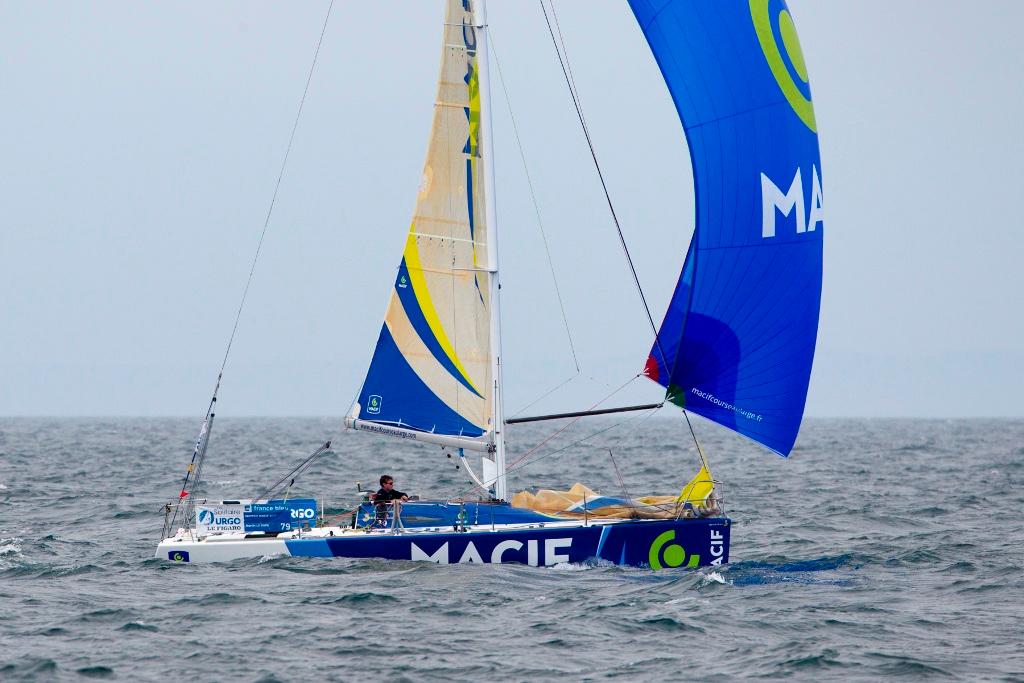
<point>674,555</point>
<point>785,60</point>
<point>178,557</point>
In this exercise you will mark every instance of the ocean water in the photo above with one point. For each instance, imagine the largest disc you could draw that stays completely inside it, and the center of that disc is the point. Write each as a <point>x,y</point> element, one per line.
<point>881,548</point>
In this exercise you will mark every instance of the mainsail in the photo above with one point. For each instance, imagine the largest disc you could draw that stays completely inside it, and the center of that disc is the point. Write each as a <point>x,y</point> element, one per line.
<point>737,342</point>
<point>431,371</point>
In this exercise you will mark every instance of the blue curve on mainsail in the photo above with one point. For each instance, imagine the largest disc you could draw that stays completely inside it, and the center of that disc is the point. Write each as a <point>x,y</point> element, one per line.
<point>737,342</point>
<point>415,406</point>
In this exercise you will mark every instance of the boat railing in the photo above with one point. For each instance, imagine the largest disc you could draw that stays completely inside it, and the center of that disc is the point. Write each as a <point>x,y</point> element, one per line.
<point>711,506</point>
<point>168,510</point>
<point>714,504</point>
<point>396,516</point>
<point>388,515</point>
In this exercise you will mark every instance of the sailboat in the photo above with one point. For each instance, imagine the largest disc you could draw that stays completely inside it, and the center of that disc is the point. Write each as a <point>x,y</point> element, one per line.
<point>735,345</point>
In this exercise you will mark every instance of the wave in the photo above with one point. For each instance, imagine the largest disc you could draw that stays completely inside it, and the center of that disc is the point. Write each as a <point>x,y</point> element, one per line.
<point>105,615</point>
<point>356,600</point>
<point>133,514</point>
<point>219,599</point>
<point>138,626</point>
<point>818,564</point>
<point>59,570</point>
<point>900,665</point>
<point>666,623</point>
<point>572,567</point>
<point>826,659</point>
<point>712,577</point>
<point>925,447</point>
<point>11,557</point>
<point>95,672</point>
<point>29,668</point>
<point>336,566</point>
<point>9,546</point>
<point>753,573</point>
<point>51,631</point>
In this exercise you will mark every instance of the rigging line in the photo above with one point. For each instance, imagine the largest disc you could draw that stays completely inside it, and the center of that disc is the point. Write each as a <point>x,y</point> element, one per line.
<point>295,472</point>
<point>199,440</point>
<point>639,422</point>
<point>277,186</point>
<point>595,380</point>
<point>541,398</point>
<point>569,424</point>
<point>195,466</point>
<point>516,466</point>
<point>571,77</point>
<point>198,466</point>
<point>622,483</point>
<point>561,41</point>
<point>581,440</point>
<point>700,451</point>
<point>533,199</point>
<point>593,154</point>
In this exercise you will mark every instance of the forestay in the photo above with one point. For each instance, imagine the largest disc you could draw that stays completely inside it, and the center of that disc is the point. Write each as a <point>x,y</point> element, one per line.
<point>431,369</point>
<point>737,342</point>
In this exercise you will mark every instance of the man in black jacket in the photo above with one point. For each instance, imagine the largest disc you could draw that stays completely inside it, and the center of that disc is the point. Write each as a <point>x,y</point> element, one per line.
<point>387,492</point>
<point>385,496</point>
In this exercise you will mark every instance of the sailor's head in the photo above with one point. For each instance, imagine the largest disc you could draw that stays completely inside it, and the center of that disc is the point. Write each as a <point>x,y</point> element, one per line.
<point>386,481</point>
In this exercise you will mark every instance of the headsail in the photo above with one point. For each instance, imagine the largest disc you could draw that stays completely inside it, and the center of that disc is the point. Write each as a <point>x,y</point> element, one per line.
<point>431,370</point>
<point>737,342</point>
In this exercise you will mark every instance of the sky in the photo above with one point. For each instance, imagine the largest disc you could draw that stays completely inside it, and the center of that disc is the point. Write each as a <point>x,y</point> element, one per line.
<point>140,144</point>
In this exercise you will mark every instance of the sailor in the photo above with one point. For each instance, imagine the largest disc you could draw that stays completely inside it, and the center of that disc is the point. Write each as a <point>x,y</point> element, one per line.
<point>387,492</point>
<point>387,495</point>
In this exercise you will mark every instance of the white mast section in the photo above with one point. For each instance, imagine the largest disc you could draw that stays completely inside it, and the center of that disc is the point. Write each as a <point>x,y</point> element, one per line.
<point>486,128</point>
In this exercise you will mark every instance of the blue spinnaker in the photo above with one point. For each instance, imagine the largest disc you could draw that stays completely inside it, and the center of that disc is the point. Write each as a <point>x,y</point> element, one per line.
<point>737,342</point>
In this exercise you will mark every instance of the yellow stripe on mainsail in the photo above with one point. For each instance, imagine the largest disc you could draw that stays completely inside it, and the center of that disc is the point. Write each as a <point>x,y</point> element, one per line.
<point>474,126</point>
<point>419,288</point>
<point>474,109</point>
<point>437,379</point>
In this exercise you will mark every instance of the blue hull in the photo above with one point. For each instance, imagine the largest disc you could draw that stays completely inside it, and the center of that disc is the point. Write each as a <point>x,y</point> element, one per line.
<point>659,544</point>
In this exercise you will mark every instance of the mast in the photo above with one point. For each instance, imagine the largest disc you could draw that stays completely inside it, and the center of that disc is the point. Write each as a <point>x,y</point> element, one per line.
<point>498,409</point>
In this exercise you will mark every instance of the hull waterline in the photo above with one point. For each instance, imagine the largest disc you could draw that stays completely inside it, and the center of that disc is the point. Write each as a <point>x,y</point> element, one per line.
<point>658,544</point>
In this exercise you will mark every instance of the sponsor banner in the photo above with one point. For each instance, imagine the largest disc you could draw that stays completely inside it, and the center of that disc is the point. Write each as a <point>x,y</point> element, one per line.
<point>275,516</point>
<point>219,518</point>
<point>670,544</point>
